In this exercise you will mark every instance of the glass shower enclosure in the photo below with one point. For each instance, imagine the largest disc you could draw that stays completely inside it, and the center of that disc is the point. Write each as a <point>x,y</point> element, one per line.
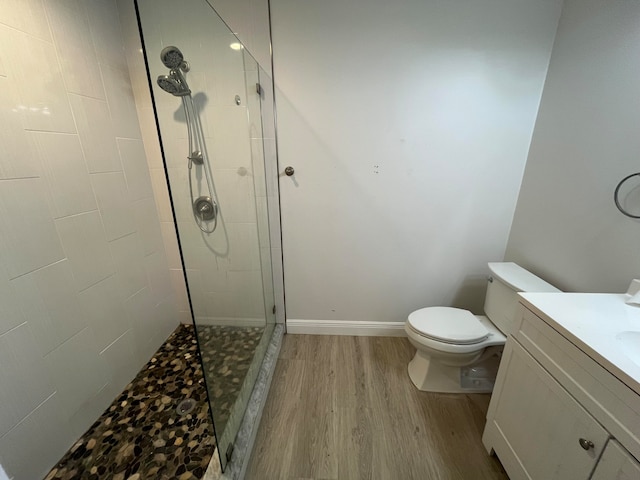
<point>207,95</point>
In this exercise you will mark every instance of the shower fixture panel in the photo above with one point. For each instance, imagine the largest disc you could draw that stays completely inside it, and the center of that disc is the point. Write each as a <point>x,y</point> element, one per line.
<point>196,157</point>
<point>205,208</point>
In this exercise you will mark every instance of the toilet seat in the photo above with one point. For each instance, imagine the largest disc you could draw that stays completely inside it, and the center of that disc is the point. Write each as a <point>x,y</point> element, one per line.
<point>448,325</point>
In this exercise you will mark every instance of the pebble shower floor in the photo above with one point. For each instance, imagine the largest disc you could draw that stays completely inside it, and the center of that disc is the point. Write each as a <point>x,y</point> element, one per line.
<point>141,436</point>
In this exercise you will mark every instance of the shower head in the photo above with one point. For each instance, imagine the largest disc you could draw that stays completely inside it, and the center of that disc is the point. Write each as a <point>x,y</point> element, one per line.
<point>173,86</point>
<point>172,57</point>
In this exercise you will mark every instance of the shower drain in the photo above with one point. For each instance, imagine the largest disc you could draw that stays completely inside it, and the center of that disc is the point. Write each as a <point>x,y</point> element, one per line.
<point>186,406</point>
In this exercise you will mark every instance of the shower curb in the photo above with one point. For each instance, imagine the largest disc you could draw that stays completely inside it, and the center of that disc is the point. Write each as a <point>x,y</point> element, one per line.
<point>243,446</point>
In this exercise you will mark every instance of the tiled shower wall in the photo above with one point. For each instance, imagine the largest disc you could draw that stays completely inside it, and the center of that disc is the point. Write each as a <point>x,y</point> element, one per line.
<point>85,294</point>
<point>151,141</point>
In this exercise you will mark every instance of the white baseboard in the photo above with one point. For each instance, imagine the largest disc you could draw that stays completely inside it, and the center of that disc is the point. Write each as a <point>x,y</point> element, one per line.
<point>231,321</point>
<point>345,327</point>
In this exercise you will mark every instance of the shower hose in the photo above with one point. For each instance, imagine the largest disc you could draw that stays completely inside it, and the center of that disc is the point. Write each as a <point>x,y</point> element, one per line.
<point>197,153</point>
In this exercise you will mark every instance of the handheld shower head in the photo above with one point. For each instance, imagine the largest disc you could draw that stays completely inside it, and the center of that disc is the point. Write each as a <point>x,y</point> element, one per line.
<point>173,86</point>
<point>172,57</point>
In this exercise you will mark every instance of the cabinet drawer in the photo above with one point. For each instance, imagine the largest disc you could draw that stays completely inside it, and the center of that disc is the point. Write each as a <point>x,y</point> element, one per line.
<point>609,400</point>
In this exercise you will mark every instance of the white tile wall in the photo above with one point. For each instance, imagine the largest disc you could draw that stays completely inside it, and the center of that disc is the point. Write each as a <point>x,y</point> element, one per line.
<point>44,104</point>
<point>129,260</point>
<point>76,371</point>
<point>71,32</point>
<point>24,376</point>
<point>28,231</point>
<point>229,129</point>
<point>146,218</point>
<point>118,356</point>
<point>119,96</point>
<point>236,192</point>
<point>27,16</point>
<point>85,290</point>
<point>3,68</point>
<point>96,132</point>
<point>50,302</point>
<point>177,280</point>
<point>27,447</point>
<point>103,309</point>
<point>171,245</point>
<point>107,34</point>
<point>136,171</point>
<point>155,267</point>
<point>140,312</point>
<point>161,195</point>
<point>257,160</point>
<point>86,247</point>
<point>148,127</point>
<point>68,180</point>
<point>10,312</point>
<point>15,145</point>
<point>111,193</point>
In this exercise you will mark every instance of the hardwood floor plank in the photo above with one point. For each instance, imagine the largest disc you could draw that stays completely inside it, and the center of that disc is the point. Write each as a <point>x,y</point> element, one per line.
<point>351,387</point>
<point>345,408</point>
<point>315,450</point>
<point>273,450</point>
<point>355,443</point>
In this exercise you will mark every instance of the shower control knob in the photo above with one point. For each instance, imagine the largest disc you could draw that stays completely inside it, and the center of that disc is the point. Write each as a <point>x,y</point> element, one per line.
<point>289,171</point>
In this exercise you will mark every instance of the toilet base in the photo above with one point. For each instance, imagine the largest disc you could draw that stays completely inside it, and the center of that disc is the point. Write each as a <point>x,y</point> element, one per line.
<point>429,375</point>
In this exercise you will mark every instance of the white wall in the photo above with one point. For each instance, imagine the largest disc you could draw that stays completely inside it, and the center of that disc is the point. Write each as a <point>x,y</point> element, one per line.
<point>566,226</point>
<point>408,124</point>
<point>85,295</point>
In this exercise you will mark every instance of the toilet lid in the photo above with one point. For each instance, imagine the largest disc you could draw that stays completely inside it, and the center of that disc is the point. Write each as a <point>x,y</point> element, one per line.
<point>448,325</point>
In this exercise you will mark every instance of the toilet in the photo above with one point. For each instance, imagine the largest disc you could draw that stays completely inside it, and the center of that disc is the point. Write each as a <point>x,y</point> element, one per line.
<point>459,352</point>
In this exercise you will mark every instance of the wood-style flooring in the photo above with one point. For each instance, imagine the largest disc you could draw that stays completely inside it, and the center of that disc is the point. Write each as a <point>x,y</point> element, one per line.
<point>344,408</point>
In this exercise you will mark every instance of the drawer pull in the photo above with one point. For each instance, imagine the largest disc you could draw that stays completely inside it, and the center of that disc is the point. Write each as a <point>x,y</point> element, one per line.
<point>586,444</point>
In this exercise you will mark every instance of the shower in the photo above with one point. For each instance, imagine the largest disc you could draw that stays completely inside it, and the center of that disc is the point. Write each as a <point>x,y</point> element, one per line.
<point>172,58</point>
<point>204,208</point>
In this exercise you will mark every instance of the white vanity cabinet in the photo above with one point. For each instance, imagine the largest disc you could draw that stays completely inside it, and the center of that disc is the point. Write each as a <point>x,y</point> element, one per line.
<point>540,424</point>
<point>556,413</point>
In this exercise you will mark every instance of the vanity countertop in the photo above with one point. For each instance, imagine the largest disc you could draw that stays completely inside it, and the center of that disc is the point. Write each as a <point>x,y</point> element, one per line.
<point>593,322</point>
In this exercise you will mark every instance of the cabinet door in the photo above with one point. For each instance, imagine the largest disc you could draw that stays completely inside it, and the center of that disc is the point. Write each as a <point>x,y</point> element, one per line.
<point>535,426</point>
<point>616,464</point>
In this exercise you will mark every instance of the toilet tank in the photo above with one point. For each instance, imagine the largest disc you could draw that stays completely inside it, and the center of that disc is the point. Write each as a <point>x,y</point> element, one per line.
<point>501,301</point>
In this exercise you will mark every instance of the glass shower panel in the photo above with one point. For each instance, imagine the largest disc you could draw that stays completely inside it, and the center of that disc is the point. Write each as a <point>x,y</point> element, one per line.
<point>208,101</point>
